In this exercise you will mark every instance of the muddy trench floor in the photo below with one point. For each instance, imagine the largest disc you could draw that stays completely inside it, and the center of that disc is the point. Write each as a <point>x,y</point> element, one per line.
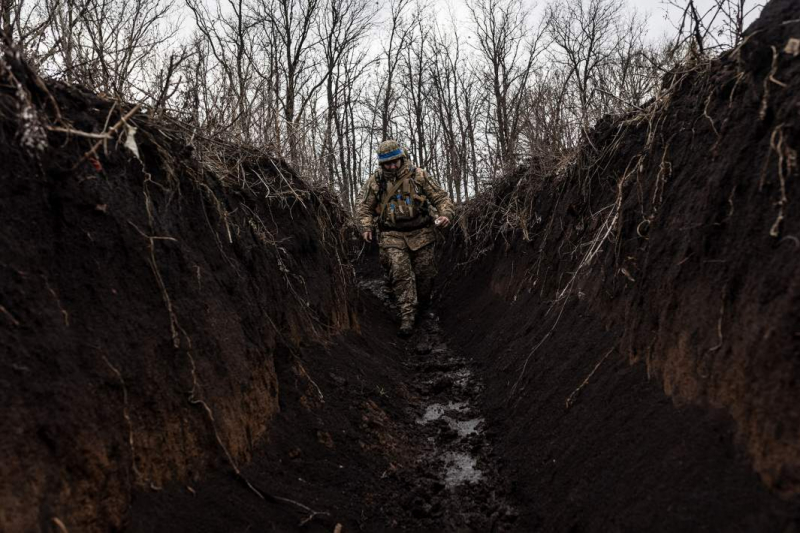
<point>375,433</point>
<point>455,484</point>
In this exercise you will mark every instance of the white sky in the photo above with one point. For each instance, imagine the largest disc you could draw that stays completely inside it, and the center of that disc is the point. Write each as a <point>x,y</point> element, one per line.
<point>662,18</point>
<point>660,15</point>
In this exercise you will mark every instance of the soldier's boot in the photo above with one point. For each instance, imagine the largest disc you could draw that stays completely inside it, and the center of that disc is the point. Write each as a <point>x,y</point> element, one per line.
<point>406,326</point>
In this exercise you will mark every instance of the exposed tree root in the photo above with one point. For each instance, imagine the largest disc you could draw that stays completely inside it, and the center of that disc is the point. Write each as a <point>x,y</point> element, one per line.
<point>573,397</point>
<point>52,291</point>
<point>7,313</point>
<point>787,163</point>
<point>59,524</point>
<point>127,416</point>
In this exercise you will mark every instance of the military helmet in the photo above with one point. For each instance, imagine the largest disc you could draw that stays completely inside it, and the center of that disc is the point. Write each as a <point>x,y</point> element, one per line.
<point>389,150</point>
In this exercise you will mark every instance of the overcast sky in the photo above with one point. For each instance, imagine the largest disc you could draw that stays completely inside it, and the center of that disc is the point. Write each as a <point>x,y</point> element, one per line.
<point>660,15</point>
<point>662,18</point>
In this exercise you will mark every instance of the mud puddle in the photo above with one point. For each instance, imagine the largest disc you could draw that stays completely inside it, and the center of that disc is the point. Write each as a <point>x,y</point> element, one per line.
<point>460,463</point>
<point>459,452</point>
<point>453,414</point>
<point>454,482</point>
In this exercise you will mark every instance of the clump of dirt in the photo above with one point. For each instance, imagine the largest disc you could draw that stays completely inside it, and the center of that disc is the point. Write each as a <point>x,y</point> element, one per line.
<point>147,281</point>
<point>669,241</point>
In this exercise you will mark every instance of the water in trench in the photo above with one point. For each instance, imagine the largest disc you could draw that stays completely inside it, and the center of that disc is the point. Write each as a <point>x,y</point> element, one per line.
<point>460,451</point>
<point>458,466</point>
<point>457,485</point>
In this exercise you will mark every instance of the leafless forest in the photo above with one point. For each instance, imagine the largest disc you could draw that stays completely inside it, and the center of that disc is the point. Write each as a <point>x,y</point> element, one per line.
<point>321,82</point>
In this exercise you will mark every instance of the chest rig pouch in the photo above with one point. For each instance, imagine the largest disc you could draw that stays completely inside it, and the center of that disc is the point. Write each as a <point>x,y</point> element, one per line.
<point>403,205</point>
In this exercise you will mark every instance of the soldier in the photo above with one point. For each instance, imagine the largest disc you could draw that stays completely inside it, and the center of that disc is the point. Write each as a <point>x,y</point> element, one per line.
<point>399,196</point>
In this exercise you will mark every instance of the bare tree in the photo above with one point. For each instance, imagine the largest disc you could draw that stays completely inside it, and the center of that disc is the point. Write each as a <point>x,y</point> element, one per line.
<point>400,31</point>
<point>734,14</point>
<point>446,71</point>
<point>26,24</point>
<point>294,22</point>
<point>167,79</point>
<point>586,37</point>
<point>719,26</point>
<point>228,36</point>
<point>104,44</point>
<point>343,24</point>
<point>472,102</point>
<point>545,127</point>
<point>632,75</point>
<point>508,48</point>
<point>415,81</point>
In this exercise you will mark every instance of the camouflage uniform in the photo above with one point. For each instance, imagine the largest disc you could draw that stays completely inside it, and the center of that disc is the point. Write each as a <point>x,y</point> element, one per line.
<point>408,254</point>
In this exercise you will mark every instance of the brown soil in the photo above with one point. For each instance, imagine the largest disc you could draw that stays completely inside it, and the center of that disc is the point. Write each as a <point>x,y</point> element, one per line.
<point>350,446</point>
<point>669,248</point>
<point>186,346</point>
<point>141,306</point>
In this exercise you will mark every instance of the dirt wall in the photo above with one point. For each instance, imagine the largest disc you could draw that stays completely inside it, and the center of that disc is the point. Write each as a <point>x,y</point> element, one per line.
<point>143,287</point>
<point>670,241</point>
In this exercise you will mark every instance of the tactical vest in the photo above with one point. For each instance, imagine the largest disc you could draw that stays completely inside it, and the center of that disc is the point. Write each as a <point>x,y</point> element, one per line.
<point>403,205</point>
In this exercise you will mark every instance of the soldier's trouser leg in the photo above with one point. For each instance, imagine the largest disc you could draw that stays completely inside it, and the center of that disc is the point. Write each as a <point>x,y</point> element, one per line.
<point>386,265</point>
<point>404,283</point>
<point>424,264</point>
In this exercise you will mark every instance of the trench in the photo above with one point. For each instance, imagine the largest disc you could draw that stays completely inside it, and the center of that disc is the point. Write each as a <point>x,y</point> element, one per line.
<point>375,433</point>
<point>184,349</point>
<point>457,484</point>
<point>587,442</point>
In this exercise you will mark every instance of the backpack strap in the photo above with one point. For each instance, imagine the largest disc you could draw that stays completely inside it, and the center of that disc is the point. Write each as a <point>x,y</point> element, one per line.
<point>410,185</point>
<point>394,188</point>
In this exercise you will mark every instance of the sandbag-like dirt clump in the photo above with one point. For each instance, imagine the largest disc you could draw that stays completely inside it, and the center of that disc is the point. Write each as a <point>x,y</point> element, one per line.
<point>147,278</point>
<point>670,241</point>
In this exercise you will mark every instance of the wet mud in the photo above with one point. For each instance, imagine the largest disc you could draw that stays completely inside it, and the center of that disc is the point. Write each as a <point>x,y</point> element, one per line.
<point>375,433</point>
<point>454,483</point>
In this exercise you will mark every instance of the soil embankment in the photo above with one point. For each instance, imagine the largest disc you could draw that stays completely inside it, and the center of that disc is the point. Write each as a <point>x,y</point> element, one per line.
<point>147,284</point>
<point>635,314</point>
